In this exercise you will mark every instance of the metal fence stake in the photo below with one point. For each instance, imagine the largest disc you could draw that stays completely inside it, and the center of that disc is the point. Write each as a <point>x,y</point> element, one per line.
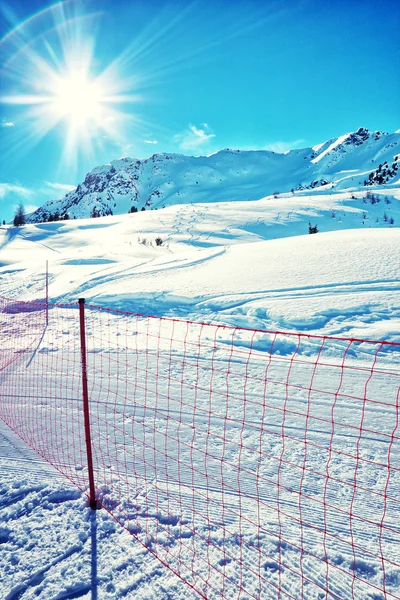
<point>85,395</point>
<point>47,292</point>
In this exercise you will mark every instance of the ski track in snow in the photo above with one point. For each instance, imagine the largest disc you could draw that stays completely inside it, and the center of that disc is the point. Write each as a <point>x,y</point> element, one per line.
<point>34,493</point>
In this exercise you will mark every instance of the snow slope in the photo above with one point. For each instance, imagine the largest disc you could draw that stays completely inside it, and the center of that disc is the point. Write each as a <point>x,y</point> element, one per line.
<point>53,547</point>
<point>245,263</point>
<point>250,264</point>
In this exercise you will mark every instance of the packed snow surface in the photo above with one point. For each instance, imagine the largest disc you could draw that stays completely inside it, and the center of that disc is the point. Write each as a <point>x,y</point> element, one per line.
<point>249,264</point>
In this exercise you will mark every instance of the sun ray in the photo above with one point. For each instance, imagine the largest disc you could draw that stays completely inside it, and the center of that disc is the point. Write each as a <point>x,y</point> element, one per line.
<point>58,79</point>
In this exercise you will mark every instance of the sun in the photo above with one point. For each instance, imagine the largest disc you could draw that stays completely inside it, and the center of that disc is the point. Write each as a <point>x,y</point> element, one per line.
<point>72,99</point>
<point>66,91</point>
<point>78,99</point>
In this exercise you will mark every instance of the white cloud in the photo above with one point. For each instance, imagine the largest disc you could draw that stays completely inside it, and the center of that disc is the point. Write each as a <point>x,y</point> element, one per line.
<point>10,188</point>
<point>63,187</point>
<point>123,149</point>
<point>194,138</point>
<point>150,141</point>
<point>5,123</point>
<point>282,147</point>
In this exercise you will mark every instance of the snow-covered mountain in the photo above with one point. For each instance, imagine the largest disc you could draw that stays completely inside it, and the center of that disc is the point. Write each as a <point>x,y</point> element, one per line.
<point>351,161</point>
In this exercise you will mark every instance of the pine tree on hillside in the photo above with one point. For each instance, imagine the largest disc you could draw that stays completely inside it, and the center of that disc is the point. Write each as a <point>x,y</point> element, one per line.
<point>20,217</point>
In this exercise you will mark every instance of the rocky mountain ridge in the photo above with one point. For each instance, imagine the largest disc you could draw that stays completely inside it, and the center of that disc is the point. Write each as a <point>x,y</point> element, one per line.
<point>352,161</point>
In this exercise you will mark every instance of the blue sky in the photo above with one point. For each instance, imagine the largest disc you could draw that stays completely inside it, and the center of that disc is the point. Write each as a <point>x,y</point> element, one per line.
<point>184,77</point>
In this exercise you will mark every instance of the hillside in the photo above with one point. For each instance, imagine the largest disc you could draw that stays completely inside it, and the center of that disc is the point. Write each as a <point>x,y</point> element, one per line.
<point>352,161</point>
<point>247,263</point>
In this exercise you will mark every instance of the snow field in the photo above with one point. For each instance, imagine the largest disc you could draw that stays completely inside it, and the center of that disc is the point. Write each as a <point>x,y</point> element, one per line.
<point>193,424</point>
<point>222,263</point>
<point>235,457</point>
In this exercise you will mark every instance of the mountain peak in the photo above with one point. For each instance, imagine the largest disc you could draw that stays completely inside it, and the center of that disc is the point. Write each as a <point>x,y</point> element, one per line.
<point>358,137</point>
